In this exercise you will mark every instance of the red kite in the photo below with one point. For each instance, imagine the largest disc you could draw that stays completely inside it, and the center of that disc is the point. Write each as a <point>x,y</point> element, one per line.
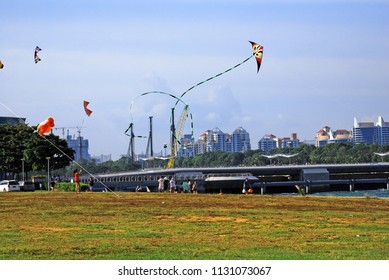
<point>87,111</point>
<point>257,52</point>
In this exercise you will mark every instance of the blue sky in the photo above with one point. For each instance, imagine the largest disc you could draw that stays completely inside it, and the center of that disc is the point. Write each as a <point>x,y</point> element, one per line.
<point>324,63</point>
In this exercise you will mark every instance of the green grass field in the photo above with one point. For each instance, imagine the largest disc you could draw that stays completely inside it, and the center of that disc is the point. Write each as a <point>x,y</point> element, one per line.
<point>64,225</point>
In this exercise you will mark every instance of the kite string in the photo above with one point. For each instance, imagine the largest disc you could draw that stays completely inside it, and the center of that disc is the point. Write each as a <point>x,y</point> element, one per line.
<point>12,112</point>
<point>215,76</point>
<point>82,124</point>
<point>59,149</point>
<point>97,179</point>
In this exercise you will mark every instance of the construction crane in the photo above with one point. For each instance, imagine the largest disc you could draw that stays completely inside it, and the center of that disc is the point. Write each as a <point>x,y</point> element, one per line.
<point>177,135</point>
<point>78,128</point>
<point>68,127</point>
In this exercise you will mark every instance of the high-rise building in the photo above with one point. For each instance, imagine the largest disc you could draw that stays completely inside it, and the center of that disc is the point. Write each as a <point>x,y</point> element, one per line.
<point>370,133</point>
<point>215,140</point>
<point>267,143</point>
<point>288,142</point>
<point>200,147</point>
<point>382,133</point>
<point>186,147</point>
<point>80,146</point>
<point>326,136</point>
<point>240,140</point>
<point>228,142</point>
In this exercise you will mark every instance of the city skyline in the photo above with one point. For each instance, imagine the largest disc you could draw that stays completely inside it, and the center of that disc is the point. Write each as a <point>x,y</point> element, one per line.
<point>324,63</point>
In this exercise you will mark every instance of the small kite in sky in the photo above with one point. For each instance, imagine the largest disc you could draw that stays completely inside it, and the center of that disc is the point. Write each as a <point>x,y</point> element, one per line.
<point>87,111</point>
<point>36,57</point>
<point>1,65</point>
<point>45,126</point>
<point>257,52</point>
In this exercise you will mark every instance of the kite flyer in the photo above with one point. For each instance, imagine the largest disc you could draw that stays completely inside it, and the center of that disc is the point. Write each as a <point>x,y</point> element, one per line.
<point>76,177</point>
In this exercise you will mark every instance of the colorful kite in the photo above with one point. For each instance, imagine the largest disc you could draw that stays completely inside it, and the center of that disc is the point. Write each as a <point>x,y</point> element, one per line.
<point>1,65</point>
<point>45,126</point>
<point>36,57</point>
<point>257,52</point>
<point>87,111</point>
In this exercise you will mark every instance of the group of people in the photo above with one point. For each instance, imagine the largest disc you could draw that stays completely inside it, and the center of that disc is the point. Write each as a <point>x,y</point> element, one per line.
<point>188,186</point>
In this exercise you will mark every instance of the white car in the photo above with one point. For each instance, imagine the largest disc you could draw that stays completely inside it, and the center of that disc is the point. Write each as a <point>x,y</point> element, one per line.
<point>9,186</point>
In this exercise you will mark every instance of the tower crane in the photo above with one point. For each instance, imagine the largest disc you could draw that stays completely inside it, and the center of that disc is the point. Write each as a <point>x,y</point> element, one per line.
<point>78,128</point>
<point>68,127</point>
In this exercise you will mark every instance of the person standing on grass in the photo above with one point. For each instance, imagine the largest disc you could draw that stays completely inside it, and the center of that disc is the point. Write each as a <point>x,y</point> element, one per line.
<point>186,186</point>
<point>76,178</point>
<point>194,187</point>
<point>246,186</point>
<point>90,183</point>
<point>161,184</point>
<point>172,185</point>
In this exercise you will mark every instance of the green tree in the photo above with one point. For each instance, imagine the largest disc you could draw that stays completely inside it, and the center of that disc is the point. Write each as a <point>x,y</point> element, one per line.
<point>19,142</point>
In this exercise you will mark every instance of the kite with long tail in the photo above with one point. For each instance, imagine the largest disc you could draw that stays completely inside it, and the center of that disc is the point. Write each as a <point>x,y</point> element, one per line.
<point>257,53</point>
<point>155,92</point>
<point>186,107</point>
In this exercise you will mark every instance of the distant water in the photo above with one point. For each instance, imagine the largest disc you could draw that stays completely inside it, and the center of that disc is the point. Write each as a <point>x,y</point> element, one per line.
<point>381,193</point>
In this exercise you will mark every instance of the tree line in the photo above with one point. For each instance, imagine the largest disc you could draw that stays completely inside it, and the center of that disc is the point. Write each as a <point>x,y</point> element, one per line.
<point>336,153</point>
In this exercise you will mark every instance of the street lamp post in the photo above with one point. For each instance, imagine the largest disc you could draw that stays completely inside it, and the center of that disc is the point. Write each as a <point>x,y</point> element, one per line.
<point>48,173</point>
<point>23,169</point>
<point>165,146</point>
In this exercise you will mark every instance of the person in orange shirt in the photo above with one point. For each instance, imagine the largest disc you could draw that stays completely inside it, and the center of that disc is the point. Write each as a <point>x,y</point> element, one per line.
<point>76,177</point>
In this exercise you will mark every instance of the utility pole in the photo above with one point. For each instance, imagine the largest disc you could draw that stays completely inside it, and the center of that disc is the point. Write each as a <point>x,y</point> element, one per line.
<point>130,151</point>
<point>80,142</point>
<point>151,137</point>
<point>173,136</point>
